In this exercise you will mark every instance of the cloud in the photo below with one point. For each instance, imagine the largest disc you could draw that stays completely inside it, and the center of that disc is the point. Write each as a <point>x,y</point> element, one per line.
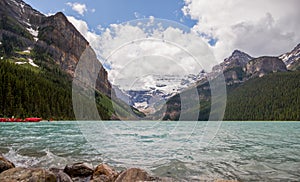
<point>79,8</point>
<point>138,51</point>
<point>150,49</point>
<point>268,27</point>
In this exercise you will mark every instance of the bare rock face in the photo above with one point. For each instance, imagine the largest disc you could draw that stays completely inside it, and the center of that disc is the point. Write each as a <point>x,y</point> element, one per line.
<point>27,175</point>
<point>79,170</point>
<point>53,36</point>
<point>135,174</point>
<point>292,59</point>
<point>24,13</point>
<point>61,176</point>
<point>5,164</point>
<point>59,38</point>
<point>103,173</point>
<point>261,66</point>
<point>63,42</point>
<point>234,75</point>
<point>237,59</point>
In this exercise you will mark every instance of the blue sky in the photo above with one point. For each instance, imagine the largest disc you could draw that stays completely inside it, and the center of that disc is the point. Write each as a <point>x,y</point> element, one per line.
<point>226,25</point>
<point>106,12</point>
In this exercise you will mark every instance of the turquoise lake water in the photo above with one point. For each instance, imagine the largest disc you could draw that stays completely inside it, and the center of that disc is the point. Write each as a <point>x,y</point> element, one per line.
<point>185,151</point>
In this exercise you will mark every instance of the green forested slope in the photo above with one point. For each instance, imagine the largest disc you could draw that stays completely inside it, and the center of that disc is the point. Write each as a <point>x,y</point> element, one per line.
<point>27,91</point>
<point>273,97</point>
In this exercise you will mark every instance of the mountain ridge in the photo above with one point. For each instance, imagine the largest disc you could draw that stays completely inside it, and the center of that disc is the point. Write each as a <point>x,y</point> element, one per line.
<point>53,35</point>
<point>256,70</point>
<point>48,48</point>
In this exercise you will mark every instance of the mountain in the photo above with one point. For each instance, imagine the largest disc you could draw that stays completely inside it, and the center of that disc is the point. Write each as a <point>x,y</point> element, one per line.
<point>150,99</point>
<point>264,65</point>
<point>239,67</point>
<point>292,59</point>
<point>257,89</point>
<point>237,59</point>
<point>54,36</point>
<point>232,67</point>
<point>38,56</point>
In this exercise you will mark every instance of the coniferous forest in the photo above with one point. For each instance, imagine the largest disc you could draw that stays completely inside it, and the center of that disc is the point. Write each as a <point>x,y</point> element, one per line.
<point>28,92</point>
<point>273,97</point>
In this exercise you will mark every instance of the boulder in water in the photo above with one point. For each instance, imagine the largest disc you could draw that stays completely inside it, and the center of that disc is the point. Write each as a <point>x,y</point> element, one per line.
<point>104,173</point>
<point>135,174</point>
<point>79,170</point>
<point>5,164</point>
<point>61,176</point>
<point>24,174</point>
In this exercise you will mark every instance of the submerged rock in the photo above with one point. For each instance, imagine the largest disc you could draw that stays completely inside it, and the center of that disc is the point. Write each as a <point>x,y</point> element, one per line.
<point>5,164</point>
<point>135,174</point>
<point>79,170</point>
<point>27,175</point>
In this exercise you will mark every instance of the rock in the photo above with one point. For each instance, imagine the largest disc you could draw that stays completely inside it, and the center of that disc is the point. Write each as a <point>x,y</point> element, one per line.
<point>101,178</point>
<point>5,164</point>
<point>59,38</point>
<point>261,66</point>
<point>166,179</point>
<point>81,179</point>
<point>61,176</point>
<point>135,174</point>
<point>27,175</point>
<point>292,59</point>
<point>104,173</point>
<point>79,170</point>
<point>52,35</point>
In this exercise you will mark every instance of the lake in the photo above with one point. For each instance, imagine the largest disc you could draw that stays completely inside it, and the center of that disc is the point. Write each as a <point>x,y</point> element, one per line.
<point>257,151</point>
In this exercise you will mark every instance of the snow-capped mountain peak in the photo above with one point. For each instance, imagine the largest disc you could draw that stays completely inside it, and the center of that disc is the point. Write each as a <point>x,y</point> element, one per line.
<point>292,59</point>
<point>237,58</point>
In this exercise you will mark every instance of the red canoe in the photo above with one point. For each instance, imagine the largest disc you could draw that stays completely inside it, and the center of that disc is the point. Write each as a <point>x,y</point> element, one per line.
<point>33,119</point>
<point>3,119</point>
<point>20,120</point>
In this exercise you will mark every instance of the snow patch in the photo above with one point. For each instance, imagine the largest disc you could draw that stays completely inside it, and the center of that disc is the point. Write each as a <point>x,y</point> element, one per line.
<point>33,32</point>
<point>26,51</point>
<point>20,63</point>
<point>141,105</point>
<point>27,23</point>
<point>32,63</point>
<point>0,43</point>
<point>2,58</point>
<point>22,7</point>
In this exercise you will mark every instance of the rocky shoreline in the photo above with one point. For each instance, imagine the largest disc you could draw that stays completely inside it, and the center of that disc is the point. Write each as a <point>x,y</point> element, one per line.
<point>77,172</point>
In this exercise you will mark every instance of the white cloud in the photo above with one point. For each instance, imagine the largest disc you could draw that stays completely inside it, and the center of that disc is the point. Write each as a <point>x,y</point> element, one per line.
<point>140,50</point>
<point>137,51</point>
<point>268,27</point>
<point>79,8</point>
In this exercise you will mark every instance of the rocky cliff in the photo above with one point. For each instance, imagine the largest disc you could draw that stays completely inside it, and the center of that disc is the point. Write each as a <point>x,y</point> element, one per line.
<point>238,69</point>
<point>237,59</point>
<point>54,36</point>
<point>292,59</point>
<point>261,66</point>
